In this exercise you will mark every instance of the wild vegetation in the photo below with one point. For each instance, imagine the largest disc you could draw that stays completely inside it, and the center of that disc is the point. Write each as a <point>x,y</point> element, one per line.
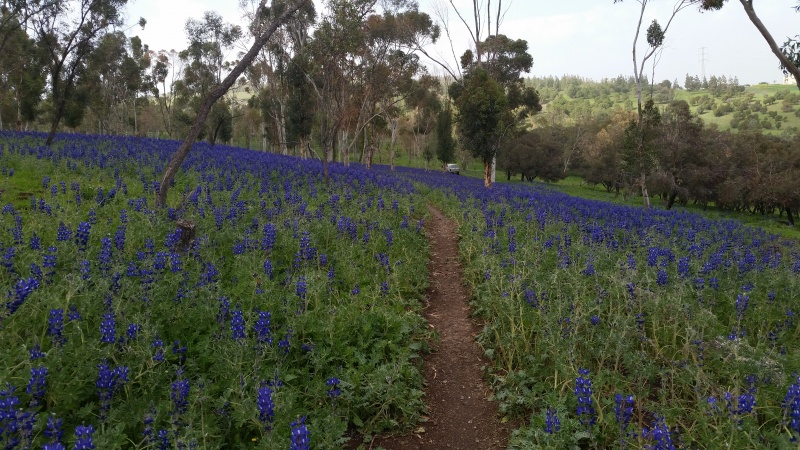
<point>286,305</point>
<point>272,298</point>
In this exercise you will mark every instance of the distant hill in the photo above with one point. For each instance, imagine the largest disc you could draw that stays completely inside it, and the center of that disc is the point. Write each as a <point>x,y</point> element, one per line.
<point>772,108</point>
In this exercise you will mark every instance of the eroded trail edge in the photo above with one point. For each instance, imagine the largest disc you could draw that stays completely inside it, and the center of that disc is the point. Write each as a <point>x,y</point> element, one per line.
<point>459,412</point>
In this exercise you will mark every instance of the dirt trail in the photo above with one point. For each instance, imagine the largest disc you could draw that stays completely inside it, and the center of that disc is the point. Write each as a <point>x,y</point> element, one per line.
<point>459,414</point>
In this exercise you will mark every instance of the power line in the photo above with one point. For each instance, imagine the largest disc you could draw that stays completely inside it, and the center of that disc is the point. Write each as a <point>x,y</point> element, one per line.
<point>703,60</point>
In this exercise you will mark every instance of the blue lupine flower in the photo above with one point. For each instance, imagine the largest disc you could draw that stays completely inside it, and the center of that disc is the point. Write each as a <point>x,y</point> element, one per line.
<point>791,404</point>
<point>595,320</point>
<point>54,432</point>
<point>108,328</point>
<point>82,235</point>
<point>109,381</point>
<point>22,290</point>
<point>86,269</point>
<point>180,395</point>
<point>224,312</point>
<point>64,233</point>
<point>178,349</point>
<point>133,331</point>
<point>73,313</point>
<point>55,327</point>
<point>37,382</point>
<point>237,324</point>
<point>266,408</point>
<point>84,435</point>
<point>35,243</point>
<point>334,390</point>
<point>623,411</point>
<point>552,422</point>
<point>712,405</point>
<point>269,237</point>
<point>119,238</point>
<point>683,267</point>
<point>300,439</point>
<point>660,435</point>
<point>262,327</point>
<point>36,352</point>
<point>583,392</point>
<point>176,265</point>
<point>158,344</point>
<point>160,261</point>
<point>149,419</point>
<point>163,440</point>
<point>744,403</point>
<point>742,301</point>
<point>662,279</point>
<point>300,287</point>
<point>356,290</point>
<point>285,343</point>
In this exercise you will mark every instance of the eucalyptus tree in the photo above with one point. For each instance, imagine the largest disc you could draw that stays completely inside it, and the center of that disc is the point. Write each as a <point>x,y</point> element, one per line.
<point>270,74</point>
<point>116,76</point>
<point>492,58</point>
<point>330,62</point>
<point>491,99</point>
<point>655,35</point>
<point>391,64</point>
<point>166,70</point>
<point>16,14</point>
<point>204,62</point>
<point>678,149</point>
<point>22,77</point>
<point>69,32</point>
<point>424,104</point>
<point>268,18</point>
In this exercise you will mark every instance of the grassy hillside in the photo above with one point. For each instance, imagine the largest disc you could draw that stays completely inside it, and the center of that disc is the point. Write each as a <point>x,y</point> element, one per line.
<point>771,108</point>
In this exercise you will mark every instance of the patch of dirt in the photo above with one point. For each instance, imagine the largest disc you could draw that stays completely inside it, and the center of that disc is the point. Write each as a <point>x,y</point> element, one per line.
<point>459,414</point>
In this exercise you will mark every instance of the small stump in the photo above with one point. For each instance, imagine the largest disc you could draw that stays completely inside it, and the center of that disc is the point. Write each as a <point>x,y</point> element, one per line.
<point>187,228</point>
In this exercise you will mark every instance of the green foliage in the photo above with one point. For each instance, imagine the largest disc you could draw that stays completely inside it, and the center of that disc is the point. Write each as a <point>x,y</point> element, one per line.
<point>482,114</point>
<point>344,326</point>
<point>445,144</point>
<point>668,345</point>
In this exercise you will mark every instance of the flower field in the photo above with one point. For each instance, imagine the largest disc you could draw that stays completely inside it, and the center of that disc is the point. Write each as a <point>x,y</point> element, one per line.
<point>619,327</point>
<point>265,309</point>
<point>291,314</point>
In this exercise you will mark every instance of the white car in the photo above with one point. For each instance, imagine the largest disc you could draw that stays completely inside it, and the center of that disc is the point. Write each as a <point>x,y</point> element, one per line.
<point>453,168</point>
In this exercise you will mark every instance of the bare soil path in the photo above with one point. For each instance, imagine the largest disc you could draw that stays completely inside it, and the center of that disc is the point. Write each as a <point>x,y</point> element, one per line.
<point>460,416</point>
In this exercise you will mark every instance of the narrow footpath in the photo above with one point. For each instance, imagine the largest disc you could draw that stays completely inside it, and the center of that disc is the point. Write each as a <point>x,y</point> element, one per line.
<point>460,416</point>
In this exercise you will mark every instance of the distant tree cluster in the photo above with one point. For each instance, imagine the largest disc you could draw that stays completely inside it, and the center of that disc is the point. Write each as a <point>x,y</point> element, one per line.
<point>683,159</point>
<point>721,86</point>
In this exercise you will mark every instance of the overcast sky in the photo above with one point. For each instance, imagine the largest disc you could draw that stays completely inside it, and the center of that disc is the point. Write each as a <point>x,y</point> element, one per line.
<point>590,38</point>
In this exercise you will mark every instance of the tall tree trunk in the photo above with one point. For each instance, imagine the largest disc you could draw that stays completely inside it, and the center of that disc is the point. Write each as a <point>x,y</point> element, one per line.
<point>364,146</point>
<point>790,216</point>
<point>54,126</point>
<point>345,154</point>
<point>672,196</point>
<point>282,126</point>
<point>394,124</point>
<point>216,94</point>
<point>371,148</point>
<point>487,173</point>
<point>135,118</point>
<point>645,197</point>
<point>263,135</point>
